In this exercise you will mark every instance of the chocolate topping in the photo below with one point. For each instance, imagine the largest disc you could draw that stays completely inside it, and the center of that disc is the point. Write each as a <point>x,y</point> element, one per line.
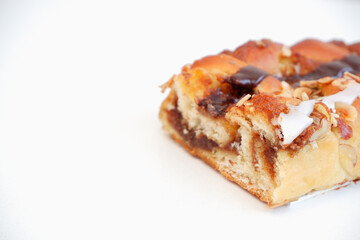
<point>354,62</point>
<point>350,63</point>
<point>241,83</point>
<point>247,78</point>
<point>336,68</point>
<point>217,102</point>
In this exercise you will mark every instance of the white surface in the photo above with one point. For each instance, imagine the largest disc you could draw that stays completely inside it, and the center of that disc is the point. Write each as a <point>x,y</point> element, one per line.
<point>82,155</point>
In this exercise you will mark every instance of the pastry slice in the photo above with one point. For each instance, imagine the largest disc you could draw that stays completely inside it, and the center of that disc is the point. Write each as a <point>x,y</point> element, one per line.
<point>279,121</point>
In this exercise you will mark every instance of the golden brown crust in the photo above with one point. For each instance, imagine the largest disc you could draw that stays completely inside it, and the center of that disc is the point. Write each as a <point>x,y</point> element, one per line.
<point>354,48</point>
<point>319,51</point>
<point>269,85</point>
<point>263,54</point>
<point>339,43</point>
<point>311,53</point>
<point>272,106</point>
<point>222,63</point>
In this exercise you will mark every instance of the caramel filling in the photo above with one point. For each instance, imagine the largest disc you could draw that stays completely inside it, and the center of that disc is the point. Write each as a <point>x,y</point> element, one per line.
<point>189,135</point>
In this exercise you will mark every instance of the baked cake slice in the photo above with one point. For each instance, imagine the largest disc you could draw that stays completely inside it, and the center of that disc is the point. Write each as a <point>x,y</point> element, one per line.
<point>279,121</point>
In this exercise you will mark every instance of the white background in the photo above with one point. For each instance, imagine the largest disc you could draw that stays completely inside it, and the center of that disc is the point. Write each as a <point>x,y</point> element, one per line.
<point>82,153</point>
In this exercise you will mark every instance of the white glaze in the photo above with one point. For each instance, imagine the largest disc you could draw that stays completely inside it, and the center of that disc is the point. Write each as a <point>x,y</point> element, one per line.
<point>296,121</point>
<point>346,96</point>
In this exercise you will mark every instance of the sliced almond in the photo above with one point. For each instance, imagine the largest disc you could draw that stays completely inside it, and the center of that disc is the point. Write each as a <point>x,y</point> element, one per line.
<point>341,83</point>
<point>321,132</point>
<point>287,90</point>
<point>349,159</point>
<point>352,76</point>
<point>269,85</point>
<point>309,84</point>
<point>286,51</point>
<point>329,89</point>
<point>260,43</point>
<point>298,92</point>
<point>243,100</point>
<point>325,80</point>
<point>346,111</point>
<point>322,108</point>
<point>168,84</point>
<point>304,96</point>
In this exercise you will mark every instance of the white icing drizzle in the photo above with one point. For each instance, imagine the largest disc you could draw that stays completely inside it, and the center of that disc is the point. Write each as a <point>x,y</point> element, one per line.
<point>346,96</point>
<point>297,120</point>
